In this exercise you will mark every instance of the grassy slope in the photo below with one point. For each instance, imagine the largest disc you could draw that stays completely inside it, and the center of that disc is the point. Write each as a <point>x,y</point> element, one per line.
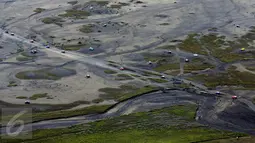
<point>124,92</point>
<point>230,78</point>
<point>65,113</point>
<point>167,125</point>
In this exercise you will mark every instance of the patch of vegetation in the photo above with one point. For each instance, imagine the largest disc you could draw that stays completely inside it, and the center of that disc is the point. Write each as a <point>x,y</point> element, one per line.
<point>87,28</point>
<point>124,77</point>
<point>49,115</point>
<point>110,72</point>
<point>140,91</point>
<point>147,73</point>
<point>173,72</point>
<point>70,113</point>
<point>12,84</point>
<point>77,14</point>
<point>47,74</point>
<point>197,64</point>
<point>21,97</point>
<point>191,44</point>
<point>124,4</point>
<point>134,75</point>
<point>117,6</point>
<point>39,95</point>
<point>99,100</point>
<point>250,68</point>
<point>171,124</point>
<point>230,78</point>
<point>154,57</point>
<point>39,10</point>
<point>218,46</point>
<point>53,20</point>
<point>73,47</point>
<point>72,2</point>
<point>157,80</point>
<point>169,47</point>
<point>164,24</point>
<point>165,67</point>
<point>22,58</point>
<point>124,92</point>
<point>101,3</point>
<point>233,140</point>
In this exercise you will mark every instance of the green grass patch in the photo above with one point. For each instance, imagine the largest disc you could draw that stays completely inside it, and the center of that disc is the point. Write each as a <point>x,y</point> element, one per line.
<point>70,113</point>
<point>134,75</point>
<point>41,116</point>
<point>39,95</point>
<point>101,3</point>
<point>46,74</point>
<point>22,58</point>
<point>147,73</point>
<point>173,72</point>
<point>76,14</point>
<point>250,68</point>
<point>73,47</point>
<point>233,140</point>
<point>39,10</point>
<point>124,92</point>
<point>99,100</point>
<point>40,74</point>
<point>230,78</point>
<point>21,97</point>
<point>12,84</point>
<point>164,67</point>
<point>155,57</point>
<point>124,77</point>
<point>137,92</point>
<point>87,28</point>
<point>117,6</point>
<point>72,2</point>
<point>110,72</point>
<point>53,20</point>
<point>165,125</point>
<point>191,44</point>
<point>197,64</point>
<point>157,80</point>
<point>164,24</point>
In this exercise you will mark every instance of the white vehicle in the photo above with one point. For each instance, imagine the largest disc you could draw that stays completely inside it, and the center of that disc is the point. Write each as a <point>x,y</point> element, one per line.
<point>105,25</point>
<point>163,76</point>
<point>12,34</point>
<point>87,76</point>
<point>63,51</point>
<point>169,52</point>
<point>186,60</point>
<point>91,49</point>
<point>91,8</point>
<point>31,41</point>
<point>33,51</point>
<point>195,55</point>
<point>27,102</point>
<point>149,62</point>
<point>217,92</point>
